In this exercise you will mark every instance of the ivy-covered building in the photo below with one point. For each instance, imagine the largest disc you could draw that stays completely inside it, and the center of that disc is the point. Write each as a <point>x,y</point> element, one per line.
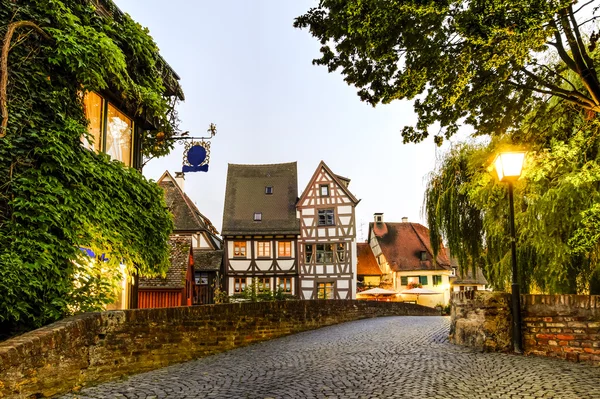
<point>84,98</point>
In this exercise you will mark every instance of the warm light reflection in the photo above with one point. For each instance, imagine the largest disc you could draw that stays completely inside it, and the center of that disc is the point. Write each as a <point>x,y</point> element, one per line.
<point>509,165</point>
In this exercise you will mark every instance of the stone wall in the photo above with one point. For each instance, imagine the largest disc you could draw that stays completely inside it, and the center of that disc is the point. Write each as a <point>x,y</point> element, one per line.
<point>564,326</point>
<point>96,347</point>
<point>481,319</point>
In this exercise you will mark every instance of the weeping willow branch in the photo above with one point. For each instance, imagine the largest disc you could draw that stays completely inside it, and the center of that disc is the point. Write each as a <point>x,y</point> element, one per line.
<point>4,66</point>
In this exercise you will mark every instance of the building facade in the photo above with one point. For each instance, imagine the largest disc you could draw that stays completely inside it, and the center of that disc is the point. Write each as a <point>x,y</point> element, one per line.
<point>260,229</point>
<point>403,251</point>
<point>327,253</point>
<point>196,254</point>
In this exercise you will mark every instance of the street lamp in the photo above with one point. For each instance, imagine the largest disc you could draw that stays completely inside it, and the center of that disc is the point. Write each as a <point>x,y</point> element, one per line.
<point>509,166</point>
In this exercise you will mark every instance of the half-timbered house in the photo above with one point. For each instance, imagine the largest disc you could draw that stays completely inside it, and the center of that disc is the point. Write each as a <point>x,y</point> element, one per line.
<point>196,254</point>
<point>260,228</point>
<point>328,237</point>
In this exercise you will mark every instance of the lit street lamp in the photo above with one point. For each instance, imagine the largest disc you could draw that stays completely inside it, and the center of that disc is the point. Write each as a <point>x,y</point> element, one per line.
<point>509,166</point>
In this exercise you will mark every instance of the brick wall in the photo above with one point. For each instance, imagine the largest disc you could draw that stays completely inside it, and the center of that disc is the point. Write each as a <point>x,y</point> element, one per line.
<point>97,347</point>
<point>563,326</point>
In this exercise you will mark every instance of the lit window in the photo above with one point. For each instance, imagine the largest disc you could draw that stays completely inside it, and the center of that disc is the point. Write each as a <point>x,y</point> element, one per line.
<point>269,190</point>
<point>118,135</point>
<point>257,216</point>
<point>285,284</point>
<point>264,249</point>
<point>239,249</point>
<point>326,217</point>
<point>285,249</point>
<point>324,190</point>
<point>239,284</point>
<point>325,290</point>
<point>93,106</point>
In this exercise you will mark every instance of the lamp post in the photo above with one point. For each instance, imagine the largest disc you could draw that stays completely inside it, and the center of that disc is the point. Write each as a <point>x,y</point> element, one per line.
<point>509,166</point>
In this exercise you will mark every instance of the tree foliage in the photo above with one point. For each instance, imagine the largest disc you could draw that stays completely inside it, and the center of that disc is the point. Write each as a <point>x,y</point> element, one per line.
<point>55,195</point>
<point>484,63</point>
<point>556,203</point>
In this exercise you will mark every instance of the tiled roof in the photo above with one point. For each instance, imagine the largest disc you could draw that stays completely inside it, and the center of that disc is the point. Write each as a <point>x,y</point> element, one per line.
<point>245,195</point>
<point>207,260</point>
<point>464,276</point>
<point>367,264</point>
<point>180,256</point>
<point>186,216</point>
<point>402,244</point>
<point>341,181</point>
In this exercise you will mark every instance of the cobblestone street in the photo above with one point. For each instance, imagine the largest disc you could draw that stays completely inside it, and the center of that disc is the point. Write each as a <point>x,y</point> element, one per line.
<point>393,357</point>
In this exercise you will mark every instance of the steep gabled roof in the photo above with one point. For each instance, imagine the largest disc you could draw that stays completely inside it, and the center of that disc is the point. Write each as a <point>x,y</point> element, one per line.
<point>342,182</point>
<point>179,258</point>
<point>367,264</point>
<point>402,244</point>
<point>207,260</point>
<point>186,216</point>
<point>245,195</point>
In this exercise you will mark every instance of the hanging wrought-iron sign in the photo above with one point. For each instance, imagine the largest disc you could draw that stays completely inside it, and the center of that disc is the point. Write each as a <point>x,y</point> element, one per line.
<point>196,156</point>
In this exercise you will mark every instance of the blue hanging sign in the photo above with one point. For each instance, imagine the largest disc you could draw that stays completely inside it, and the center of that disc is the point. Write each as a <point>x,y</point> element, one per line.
<point>196,156</point>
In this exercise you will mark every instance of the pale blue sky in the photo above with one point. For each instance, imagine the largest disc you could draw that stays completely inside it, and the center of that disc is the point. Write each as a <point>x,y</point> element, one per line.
<point>246,69</point>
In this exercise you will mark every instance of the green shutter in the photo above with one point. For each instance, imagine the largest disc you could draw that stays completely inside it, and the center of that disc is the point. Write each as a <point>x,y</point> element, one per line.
<point>423,280</point>
<point>403,280</point>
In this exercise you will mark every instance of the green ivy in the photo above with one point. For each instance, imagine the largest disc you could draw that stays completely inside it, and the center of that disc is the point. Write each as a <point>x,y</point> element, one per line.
<point>56,196</point>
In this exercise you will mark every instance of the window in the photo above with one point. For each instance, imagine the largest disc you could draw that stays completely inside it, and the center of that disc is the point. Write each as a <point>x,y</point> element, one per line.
<point>201,278</point>
<point>285,284</point>
<point>406,280</point>
<point>340,249</point>
<point>269,190</point>
<point>239,284</point>
<point>324,190</point>
<point>93,105</point>
<point>437,280</point>
<point>239,249</point>
<point>264,249</point>
<point>285,249</point>
<point>325,217</point>
<point>118,135</point>
<point>324,253</point>
<point>308,253</point>
<point>105,117</point>
<point>257,216</point>
<point>423,255</point>
<point>325,290</point>
<point>264,285</point>
<point>423,280</point>
<point>378,218</point>
<point>453,273</point>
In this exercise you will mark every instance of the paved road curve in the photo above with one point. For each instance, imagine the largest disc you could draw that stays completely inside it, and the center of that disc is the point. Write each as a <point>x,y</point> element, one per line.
<point>393,357</point>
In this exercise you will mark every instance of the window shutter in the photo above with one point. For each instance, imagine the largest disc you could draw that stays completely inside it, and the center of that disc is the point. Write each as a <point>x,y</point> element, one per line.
<point>423,280</point>
<point>403,280</point>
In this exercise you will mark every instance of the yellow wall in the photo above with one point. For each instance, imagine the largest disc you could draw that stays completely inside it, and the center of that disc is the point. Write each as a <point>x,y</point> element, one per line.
<point>372,281</point>
<point>427,300</point>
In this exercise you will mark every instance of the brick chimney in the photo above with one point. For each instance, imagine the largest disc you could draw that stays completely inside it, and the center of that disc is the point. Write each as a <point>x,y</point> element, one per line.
<point>180,179</point>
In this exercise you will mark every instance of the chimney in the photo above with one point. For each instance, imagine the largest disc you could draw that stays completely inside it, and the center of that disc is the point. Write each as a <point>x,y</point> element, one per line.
<point>404,219</point>
<point>378,217</point>
<point>180,179</point>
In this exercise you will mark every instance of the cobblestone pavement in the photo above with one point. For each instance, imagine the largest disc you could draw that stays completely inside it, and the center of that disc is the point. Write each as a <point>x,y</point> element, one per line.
<point>392,357</point>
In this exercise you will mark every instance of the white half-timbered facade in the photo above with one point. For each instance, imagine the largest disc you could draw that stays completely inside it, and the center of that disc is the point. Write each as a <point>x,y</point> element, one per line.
<point>327,246</point>
<point>260,228</point>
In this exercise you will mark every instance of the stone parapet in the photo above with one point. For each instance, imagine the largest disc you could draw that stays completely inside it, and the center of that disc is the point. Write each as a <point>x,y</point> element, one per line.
<point>96,347</point>
<point>563,326</point>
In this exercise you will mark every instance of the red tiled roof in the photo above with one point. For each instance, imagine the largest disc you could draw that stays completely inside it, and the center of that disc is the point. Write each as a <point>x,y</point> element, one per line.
<point>402,244</point>
<point>367,264</point>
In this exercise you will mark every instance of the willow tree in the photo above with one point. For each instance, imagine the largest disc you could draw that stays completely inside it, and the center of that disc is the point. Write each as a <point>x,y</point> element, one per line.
<point>556,204</point>
<point>57,196</point>
<point>480,62</point>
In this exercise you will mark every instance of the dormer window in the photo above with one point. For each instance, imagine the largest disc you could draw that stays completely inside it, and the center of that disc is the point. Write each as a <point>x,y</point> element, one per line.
<point>324,190</point>
<point>257,216</point>
<point>453,273</point>
<point>269,190</point>
<point>378,218</point>
<point>423,255</point>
